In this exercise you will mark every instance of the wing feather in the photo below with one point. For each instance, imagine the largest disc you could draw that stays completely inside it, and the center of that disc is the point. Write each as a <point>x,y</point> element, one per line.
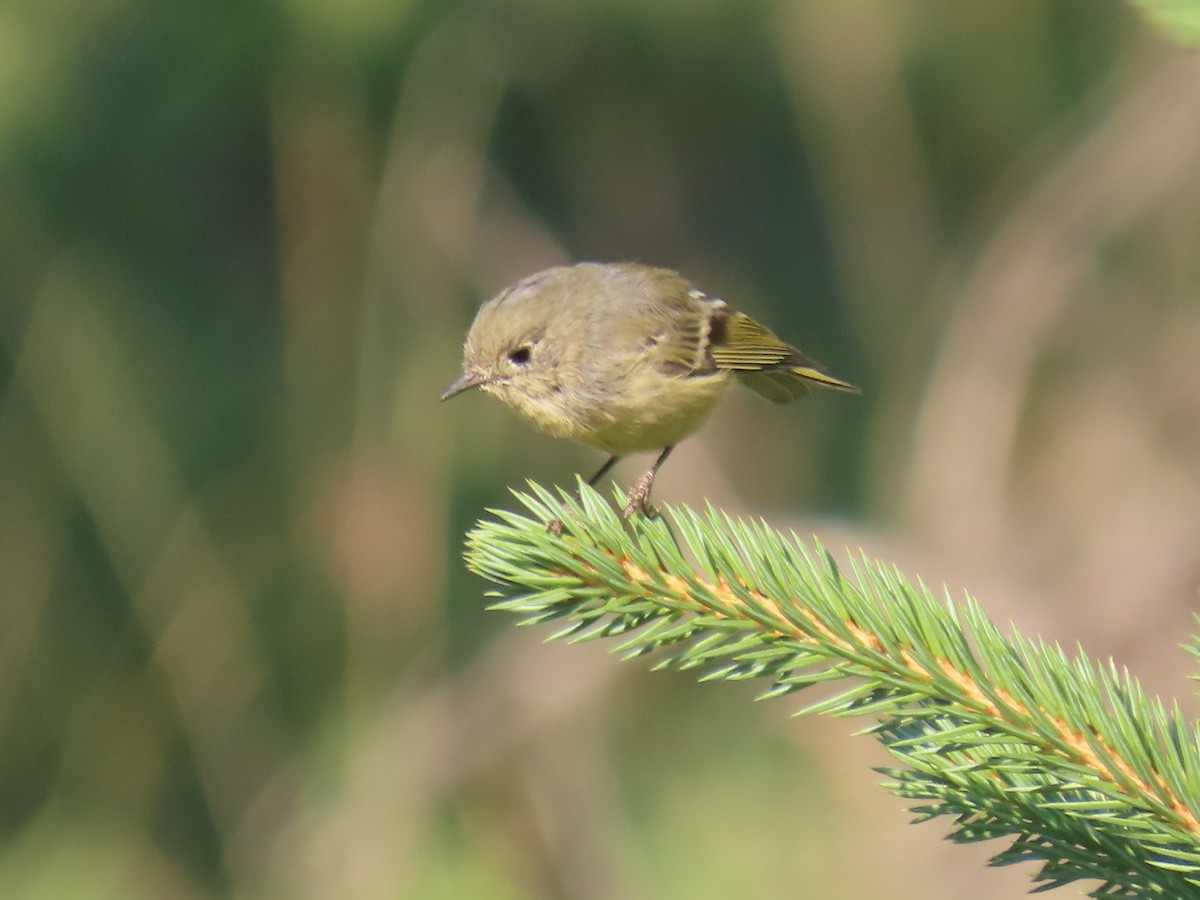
<point>765,364</point>
<point>695,334</point>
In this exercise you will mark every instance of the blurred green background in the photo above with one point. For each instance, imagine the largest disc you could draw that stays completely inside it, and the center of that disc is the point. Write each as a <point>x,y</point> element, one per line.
<point>239,247</point>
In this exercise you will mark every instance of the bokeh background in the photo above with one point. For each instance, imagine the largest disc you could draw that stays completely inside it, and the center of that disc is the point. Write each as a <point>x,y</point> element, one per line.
<point>239,246</point>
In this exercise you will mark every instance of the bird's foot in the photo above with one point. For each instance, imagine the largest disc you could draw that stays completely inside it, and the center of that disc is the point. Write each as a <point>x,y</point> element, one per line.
<point>637,500</point>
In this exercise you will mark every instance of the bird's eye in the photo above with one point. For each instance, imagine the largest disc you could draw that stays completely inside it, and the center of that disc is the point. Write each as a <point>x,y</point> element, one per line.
<point>519,356</point>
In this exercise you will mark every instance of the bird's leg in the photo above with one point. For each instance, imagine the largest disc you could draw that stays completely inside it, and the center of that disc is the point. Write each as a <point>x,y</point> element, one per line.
<point>635,501</point>
<point>555,526</point>
<point>612,461</point>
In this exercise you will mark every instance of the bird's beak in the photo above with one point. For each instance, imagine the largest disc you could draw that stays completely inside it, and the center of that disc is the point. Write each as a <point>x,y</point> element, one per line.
<point>468,380</point>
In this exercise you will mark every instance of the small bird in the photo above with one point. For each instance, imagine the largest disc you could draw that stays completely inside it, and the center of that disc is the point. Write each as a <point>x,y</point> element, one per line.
<point>624,357</point>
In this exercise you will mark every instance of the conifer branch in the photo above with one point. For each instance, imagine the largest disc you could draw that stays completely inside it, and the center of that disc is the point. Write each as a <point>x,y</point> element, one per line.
<point>1072,761</point>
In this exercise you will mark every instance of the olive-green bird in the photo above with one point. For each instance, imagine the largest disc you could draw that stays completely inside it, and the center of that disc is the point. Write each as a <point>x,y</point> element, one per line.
<point>624,357</point>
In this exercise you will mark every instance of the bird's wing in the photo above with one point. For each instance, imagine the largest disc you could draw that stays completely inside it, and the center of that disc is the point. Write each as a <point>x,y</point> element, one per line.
<point>680,326</point>
<point>695,334</point>
<point>765,364</point>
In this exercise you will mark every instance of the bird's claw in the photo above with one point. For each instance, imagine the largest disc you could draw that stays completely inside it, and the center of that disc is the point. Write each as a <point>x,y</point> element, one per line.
<point>637,500</point>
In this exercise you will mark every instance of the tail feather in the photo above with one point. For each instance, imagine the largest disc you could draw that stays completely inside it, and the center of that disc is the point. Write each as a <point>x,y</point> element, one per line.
<point>786,385</point>
<point>824,378</point>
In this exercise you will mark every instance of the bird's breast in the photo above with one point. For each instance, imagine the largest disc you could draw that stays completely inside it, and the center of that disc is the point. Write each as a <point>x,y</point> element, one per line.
<point>639,411</point>
<point>652,411</point>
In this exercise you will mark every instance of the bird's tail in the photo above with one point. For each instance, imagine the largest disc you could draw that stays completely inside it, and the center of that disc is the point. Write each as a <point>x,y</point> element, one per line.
<point>824,378</point>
